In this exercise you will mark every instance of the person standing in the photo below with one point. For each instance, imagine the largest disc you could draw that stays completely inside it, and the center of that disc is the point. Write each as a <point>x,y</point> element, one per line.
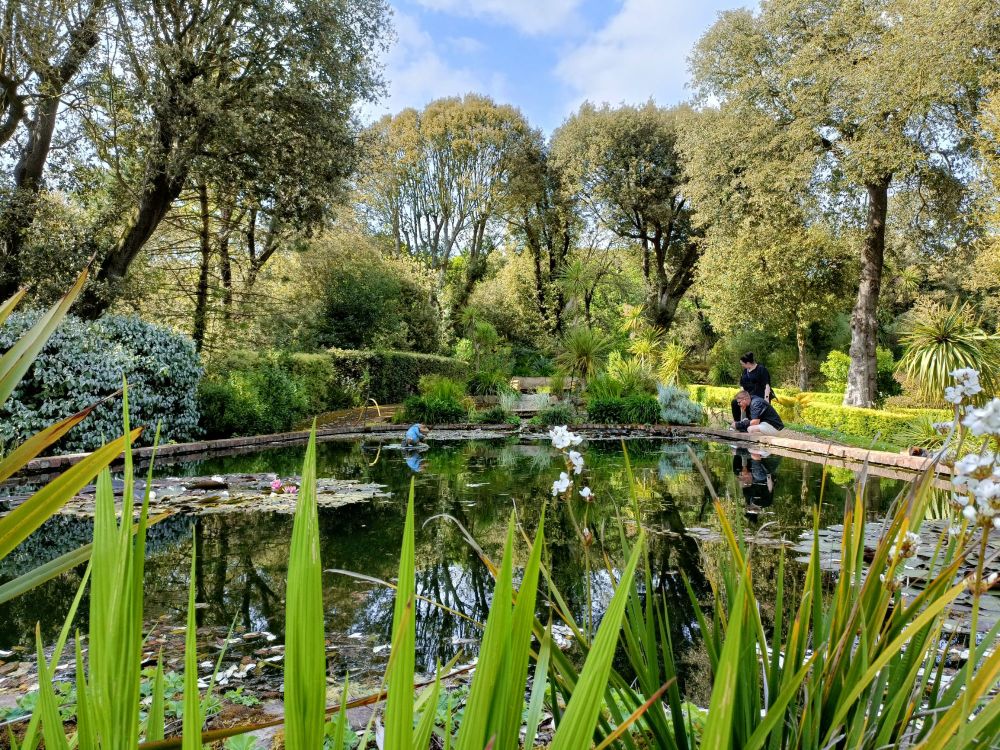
<point>755,380</point>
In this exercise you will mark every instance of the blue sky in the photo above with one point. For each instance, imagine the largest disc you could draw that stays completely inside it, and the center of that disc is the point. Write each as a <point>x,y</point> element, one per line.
<point>545,56</point>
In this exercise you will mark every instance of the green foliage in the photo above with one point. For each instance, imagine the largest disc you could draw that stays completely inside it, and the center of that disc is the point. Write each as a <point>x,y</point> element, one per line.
<point>83,362</point>
<point>677,408</point>
<point>834,368</point>
<point>554,415</point>
<point>637,409</point>
<point>940,339</point>
<point>391,376</point>
<point>604,387</point>
<point>441,388</point>
<point>255,395</point>
<point>432,411</point>
<point>634,375</point>
<point>246,393</point>
<point>583,351</point>
<point>372,302</point>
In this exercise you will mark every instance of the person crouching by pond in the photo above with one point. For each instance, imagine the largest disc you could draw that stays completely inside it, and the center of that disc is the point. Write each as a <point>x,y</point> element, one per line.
<point>761,418</point>
<point>415,435</point>
<point>755,380</point>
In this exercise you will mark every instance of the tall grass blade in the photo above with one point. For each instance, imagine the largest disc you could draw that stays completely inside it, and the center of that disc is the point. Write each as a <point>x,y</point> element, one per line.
<point>86,727</point>
<point>538,685</point>
<point>722,706</point>
<point>48,706</point>
<point>8,307</point>
<point>305,649</point>
<point>484,709</point>
<point>399,707</point>
<point>576,730</point>
<point>156,721</point>
<point>422,735</point>
<point>192,720</point>
<point>18,458</point>
<point>17,525</point>
<point>18,359</point>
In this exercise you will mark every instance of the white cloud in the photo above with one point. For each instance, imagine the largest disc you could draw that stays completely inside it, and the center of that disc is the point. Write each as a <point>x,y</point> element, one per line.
<point>466,45</point>
<point>528,16</point>
<point>417,73</point>
<point>641,52</point>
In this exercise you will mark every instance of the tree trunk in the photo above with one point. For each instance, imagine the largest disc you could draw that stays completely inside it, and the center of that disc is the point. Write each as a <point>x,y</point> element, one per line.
<point>201,297</point>
<point>862,383</point>
<point>21,208</point>
<point>800,339</point>
<point>670,290</point>
<point>225,262</point>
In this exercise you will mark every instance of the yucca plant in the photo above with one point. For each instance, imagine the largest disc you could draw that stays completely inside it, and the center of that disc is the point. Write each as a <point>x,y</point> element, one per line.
<point>670,369</point>
<point>583,351</point>
<point>941,339</point>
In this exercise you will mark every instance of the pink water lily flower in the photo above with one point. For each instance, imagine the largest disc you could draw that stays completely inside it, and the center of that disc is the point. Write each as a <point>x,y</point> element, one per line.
<point>276,485</point>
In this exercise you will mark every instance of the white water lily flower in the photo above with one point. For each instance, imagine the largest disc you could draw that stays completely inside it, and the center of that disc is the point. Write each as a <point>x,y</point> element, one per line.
<point>577,460</point>
<point>561,484</point>
<point>586,493</point>
<point>969,511</point>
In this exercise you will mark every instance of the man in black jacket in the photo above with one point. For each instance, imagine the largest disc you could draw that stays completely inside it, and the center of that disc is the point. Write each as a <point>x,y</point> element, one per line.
<point>761,417</point>
<point>755,380</point>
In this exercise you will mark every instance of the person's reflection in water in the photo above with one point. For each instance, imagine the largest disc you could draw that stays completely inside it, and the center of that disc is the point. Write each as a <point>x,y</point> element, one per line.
<point>416,462</point>
<point>755,470</point>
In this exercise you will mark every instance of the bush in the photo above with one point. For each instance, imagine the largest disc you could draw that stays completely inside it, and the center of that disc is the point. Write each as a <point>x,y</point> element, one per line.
<point>677,408</point>
<point>429,410</point>
<point>555,415</point>
<point>256,397</point>
<point>390,376</point>
<point>85,361</point>
<point>837,364</point>
<point>440,388</point>
<point>627,410</point>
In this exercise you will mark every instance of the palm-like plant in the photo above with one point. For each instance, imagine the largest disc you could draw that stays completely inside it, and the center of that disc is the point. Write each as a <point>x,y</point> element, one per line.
<point>940,339</point>
<point>583,352</point>
<point>669,371</point>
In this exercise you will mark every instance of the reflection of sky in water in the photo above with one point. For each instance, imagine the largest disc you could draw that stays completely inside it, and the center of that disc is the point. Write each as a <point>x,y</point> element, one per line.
<point>243,557</point>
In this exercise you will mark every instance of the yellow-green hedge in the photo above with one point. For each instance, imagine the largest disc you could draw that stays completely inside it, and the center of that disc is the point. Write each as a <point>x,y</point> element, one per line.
<point>825,411</point>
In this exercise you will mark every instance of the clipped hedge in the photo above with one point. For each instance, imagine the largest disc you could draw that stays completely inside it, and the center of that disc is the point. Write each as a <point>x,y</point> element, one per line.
<point>638,409</point>
<point>390,376</point>
<point>825,410</point>
<point>85,361</point>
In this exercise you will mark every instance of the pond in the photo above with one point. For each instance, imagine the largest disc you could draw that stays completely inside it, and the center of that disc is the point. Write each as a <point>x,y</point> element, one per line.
<point>243,556</point>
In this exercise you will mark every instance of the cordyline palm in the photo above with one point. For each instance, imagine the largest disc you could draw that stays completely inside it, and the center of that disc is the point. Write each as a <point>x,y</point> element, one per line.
<point>583,352</point>
<point>941,339</point>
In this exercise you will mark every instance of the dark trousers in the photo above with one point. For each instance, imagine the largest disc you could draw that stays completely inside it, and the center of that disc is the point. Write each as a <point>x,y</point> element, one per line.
<point>737,413</point>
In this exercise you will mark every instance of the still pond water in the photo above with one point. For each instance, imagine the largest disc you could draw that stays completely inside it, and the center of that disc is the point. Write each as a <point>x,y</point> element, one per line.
<point>243,556</point>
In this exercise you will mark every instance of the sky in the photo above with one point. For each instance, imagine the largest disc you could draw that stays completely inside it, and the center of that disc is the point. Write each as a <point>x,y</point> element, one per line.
<point>545,56</point>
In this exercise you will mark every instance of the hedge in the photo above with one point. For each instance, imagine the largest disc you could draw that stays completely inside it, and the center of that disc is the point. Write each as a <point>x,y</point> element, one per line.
<point>826,411</point>
<point>390,376</point>
<point>252,393</point>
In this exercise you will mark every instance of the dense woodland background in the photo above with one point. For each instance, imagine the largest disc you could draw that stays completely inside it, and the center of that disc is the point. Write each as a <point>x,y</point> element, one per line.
<point>832,186</point>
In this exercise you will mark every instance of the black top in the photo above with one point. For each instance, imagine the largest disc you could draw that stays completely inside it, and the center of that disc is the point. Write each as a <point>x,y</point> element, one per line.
<point>762,410</point>
<point>753,381</point>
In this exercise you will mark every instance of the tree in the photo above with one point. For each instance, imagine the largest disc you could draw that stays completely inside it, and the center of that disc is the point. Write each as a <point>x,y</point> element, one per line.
<point>625,172</point>
<point>241,89</point>
<point>778,279</point>
<point>437,178</point>
<point>541,215</point>
<point>44,44</point>
<point>838,94</point>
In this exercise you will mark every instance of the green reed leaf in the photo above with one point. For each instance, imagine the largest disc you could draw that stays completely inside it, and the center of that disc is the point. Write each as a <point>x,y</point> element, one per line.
<point>399,707</point>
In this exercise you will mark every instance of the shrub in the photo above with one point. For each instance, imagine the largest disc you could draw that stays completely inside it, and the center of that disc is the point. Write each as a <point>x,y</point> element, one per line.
<point>555,415</point>
<point>837,365</point>
<point>604,387</point>
<point>85,361</point>
<point>940,339</point>
<point>495,415</point>
<point>440,388</point>
<point>390,376</point>
<point>489,381</point>
<point>258,398</point>
<point>429,410</point>
<point>638,409</point>
<point>677,408</point>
